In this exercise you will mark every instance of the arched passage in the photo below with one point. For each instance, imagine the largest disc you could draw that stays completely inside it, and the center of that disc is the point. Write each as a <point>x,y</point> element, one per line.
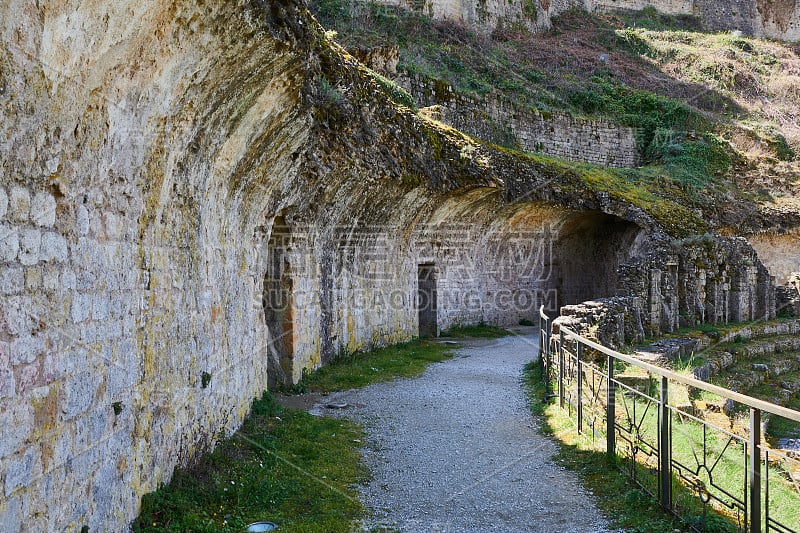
<point>587,252</point>
<point>278,304</point>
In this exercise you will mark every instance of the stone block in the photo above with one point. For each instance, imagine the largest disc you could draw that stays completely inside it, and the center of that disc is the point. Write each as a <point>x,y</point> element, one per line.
<point>100,306</point>
<point>12,280</point>
<point>82,220</point>
<point>79,393</point>
<point>3,202</point>
<point>9,243</point>
<point>28,377</point>
<point>50,279</point>
<point>33,279</point>
<point>30,242</point>
<point>53,248</point>
<point>43,210</point>
<point>55,366</point>
<point>81,307</point>
<point>11,515</point>
<point>19,417</point>
<point>19,470</point>
<point>8,384</point>
<point>98,421</point>
<point>26,349</point>
<point>69,281</point>
<point>19,205</point>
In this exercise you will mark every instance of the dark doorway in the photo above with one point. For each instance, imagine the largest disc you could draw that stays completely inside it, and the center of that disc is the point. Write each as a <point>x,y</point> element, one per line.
<point>587,253</point>
<point>277,301</point>
<point>426,301</point>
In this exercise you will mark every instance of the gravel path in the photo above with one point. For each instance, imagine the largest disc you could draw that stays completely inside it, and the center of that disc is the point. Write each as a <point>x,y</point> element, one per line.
<point>456,450</point>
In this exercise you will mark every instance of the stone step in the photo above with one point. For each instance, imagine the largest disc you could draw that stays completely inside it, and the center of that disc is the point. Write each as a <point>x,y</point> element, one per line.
<point>723,356</point>
<point>764,329</point>
<point>745,376</point>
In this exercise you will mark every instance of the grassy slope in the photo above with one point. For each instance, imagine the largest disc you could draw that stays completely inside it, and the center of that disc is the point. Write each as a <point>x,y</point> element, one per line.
<point>698,100</point>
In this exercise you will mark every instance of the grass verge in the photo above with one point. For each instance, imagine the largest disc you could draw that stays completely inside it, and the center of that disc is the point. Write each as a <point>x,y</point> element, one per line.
<point>283,465</point>
<point>626,506</point>
<point>481,331</point>
<point>634,510</point>
<point>359,369</point>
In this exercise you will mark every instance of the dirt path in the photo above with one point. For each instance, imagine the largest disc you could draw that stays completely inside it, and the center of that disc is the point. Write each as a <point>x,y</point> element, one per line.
<point>456,450</point>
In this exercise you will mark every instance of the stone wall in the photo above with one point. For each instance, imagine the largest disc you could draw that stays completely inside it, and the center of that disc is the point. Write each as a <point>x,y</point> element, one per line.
<point>671,7</point>
<point>188,212</point>
<point>488,15</point>
<point>127,337</point>
<point>774,19</point>
<point>676,284</point>
<point>557,133</point>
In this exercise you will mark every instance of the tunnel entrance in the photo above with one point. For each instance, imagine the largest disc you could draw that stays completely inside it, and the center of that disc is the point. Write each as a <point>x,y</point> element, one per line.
<point>426,301</point>
<point>587,253</point>
<point>278,305</point>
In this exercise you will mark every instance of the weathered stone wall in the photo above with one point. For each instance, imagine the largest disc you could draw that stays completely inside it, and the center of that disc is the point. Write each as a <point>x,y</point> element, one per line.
<point>165,166</point>
<point>676,284</point>
<point>775,19</point>
<point>780,252</point>
<point>671,7</point>
<point>700,280</point>
<point>557,133</point>
<point>125,244</point>
<point>488,15</point>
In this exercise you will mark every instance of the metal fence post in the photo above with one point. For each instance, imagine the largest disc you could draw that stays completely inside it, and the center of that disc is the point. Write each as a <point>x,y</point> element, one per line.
<point>664,447</point>
<point>579,365</point>
<point>755,470</point>
<point>541,338</point>
<point>611,412</point>
<point>561,392</point>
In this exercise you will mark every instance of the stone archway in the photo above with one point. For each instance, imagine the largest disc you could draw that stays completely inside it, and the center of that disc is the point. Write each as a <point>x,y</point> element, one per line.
<point>588,250</point>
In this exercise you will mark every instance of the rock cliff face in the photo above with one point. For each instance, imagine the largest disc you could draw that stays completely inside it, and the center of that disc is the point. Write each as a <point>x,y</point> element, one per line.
<point>200,198</point>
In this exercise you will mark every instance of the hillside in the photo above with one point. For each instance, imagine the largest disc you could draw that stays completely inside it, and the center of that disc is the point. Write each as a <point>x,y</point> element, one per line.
<point>716,115</point>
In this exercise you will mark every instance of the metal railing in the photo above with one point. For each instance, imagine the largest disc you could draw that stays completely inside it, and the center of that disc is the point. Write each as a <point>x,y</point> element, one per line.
<point>645,422</point>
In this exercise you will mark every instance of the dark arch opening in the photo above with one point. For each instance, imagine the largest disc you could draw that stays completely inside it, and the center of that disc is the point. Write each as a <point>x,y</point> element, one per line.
<point>587,253</point>
<point>278,305</point>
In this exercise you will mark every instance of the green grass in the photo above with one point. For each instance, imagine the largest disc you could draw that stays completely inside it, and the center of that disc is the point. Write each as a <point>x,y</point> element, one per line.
<point>283,465</point>
<point>351,371</point>
<point>626,506</point>
<point>636,511</point>
<point>651,19</point>
<point>483,331</point>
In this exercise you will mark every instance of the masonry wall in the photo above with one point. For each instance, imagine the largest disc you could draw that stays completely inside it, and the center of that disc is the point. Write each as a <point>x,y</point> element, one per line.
<point>551,133</point>
<point>672,7</point>
<point>775,19</point>
<point>124,246</point>
<point>143,171</point>
<point>677,284</point>
<point>490,15</point>
<point>700,280</point>
<point>780,252</point>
